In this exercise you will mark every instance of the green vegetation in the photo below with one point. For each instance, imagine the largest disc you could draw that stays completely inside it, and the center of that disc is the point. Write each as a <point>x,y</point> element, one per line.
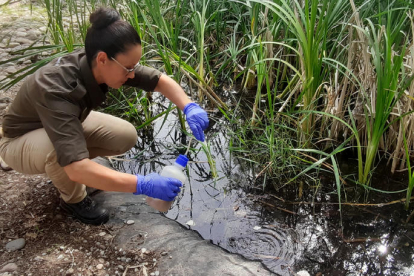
<point>328,76</point>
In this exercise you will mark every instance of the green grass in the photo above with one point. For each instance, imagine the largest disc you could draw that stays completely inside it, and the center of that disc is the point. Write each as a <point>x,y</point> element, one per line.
<point>327,76</point>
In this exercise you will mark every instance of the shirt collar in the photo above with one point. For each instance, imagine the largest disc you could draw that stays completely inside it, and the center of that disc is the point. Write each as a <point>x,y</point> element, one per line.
<point>95,91</point>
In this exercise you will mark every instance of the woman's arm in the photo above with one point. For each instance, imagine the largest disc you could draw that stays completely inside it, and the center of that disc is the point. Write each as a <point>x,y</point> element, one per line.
<point>173,91</point>
<point>100,177</point>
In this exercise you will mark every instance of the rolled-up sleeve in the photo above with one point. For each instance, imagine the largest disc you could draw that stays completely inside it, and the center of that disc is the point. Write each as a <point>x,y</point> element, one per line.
<point>146,78</point>
<point>60,118</point>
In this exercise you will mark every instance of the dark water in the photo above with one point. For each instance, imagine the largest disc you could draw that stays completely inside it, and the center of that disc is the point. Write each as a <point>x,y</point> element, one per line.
<point>287,237</point>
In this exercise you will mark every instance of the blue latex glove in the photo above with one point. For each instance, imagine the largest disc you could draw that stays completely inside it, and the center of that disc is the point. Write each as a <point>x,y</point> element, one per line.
<point>157,186</point>
<point>197,120</point>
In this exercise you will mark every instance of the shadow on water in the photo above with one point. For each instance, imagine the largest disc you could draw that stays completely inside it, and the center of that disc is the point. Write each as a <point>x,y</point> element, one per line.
<point>286,236</point>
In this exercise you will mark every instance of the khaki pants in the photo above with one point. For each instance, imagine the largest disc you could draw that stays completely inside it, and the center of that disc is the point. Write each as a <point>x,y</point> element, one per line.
<point>33,153</point>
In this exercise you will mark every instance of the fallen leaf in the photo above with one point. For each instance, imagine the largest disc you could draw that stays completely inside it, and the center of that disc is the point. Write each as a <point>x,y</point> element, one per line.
<point>31,235</point>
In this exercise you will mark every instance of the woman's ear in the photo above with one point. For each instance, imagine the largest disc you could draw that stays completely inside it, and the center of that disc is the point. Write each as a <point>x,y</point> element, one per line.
<point>101,59</point>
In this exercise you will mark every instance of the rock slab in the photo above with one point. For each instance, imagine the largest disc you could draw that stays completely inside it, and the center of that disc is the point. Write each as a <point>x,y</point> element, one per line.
<point>16,244</point>
<point>11,267</point>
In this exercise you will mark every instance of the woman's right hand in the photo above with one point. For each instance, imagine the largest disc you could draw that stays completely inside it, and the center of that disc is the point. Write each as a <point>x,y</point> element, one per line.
<point>156,186</point>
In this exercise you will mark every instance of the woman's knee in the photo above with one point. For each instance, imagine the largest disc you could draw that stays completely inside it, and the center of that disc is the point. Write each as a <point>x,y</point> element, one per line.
<point>129,136</point>
<point>108,132</point>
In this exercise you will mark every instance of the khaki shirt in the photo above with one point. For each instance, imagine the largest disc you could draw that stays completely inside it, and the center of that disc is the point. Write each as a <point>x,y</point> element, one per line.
<point>58,97</point>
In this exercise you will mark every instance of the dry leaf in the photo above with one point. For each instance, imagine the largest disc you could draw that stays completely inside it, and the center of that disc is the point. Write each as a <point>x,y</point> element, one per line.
<point>32,236</point>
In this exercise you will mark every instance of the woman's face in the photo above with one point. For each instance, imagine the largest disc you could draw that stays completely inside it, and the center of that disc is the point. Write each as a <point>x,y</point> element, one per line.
<point>121,68</point>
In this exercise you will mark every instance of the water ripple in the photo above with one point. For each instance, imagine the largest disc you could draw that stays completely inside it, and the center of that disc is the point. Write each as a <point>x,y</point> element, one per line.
<point>276,247</point>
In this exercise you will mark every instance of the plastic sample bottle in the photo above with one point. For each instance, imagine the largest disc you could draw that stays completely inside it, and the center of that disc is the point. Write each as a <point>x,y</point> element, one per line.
<point>174,171</point>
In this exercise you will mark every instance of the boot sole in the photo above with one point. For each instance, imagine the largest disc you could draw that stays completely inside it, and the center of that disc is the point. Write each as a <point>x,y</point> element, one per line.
<point>98,221</point>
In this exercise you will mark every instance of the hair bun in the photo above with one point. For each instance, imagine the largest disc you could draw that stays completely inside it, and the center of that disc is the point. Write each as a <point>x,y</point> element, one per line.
<point>103,17</point>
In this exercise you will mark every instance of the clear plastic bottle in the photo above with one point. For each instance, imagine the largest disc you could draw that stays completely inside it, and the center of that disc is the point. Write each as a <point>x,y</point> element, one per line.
<point>174,171</point>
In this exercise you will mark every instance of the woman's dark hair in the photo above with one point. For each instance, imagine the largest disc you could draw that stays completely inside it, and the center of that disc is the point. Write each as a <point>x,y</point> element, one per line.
<point>109,34</point>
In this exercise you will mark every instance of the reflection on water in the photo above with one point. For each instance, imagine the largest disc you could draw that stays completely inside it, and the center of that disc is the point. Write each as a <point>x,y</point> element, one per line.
<point>285,239</point>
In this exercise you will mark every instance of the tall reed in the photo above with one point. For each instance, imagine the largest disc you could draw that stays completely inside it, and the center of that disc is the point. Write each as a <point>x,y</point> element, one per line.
<point>391,81</point>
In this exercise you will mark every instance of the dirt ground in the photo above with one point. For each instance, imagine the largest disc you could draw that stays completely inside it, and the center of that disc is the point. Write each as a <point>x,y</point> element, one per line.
<point>55,243</point>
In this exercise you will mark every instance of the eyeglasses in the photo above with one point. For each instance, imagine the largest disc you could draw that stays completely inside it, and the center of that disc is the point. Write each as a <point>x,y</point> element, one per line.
<point>126,69</point>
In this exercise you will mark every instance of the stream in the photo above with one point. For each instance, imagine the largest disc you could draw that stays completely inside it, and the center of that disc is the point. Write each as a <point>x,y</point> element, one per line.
<point>284,236</point>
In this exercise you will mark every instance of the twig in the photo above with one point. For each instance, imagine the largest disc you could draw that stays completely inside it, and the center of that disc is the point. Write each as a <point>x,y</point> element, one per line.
<point>135,266</point>
<point>360,240</point>
<point>207,91</point>
<point>324,164</point>
<point>119,159</point>
<point>271,205</point>
<point>264,169</point>
<point>188,147</point>
<point>238,65</point>
<point>410,216</point>
<point>281,199</point>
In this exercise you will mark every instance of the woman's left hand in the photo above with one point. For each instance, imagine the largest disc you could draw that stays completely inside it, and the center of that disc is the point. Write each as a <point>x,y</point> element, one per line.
<point>197,119</point>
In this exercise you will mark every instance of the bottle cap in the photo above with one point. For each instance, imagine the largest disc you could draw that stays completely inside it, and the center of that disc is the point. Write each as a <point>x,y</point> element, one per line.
<point>182,160</point>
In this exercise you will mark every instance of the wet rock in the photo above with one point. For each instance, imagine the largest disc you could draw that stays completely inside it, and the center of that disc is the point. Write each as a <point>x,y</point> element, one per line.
<point>16,244</point>
<point>11,267</point>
